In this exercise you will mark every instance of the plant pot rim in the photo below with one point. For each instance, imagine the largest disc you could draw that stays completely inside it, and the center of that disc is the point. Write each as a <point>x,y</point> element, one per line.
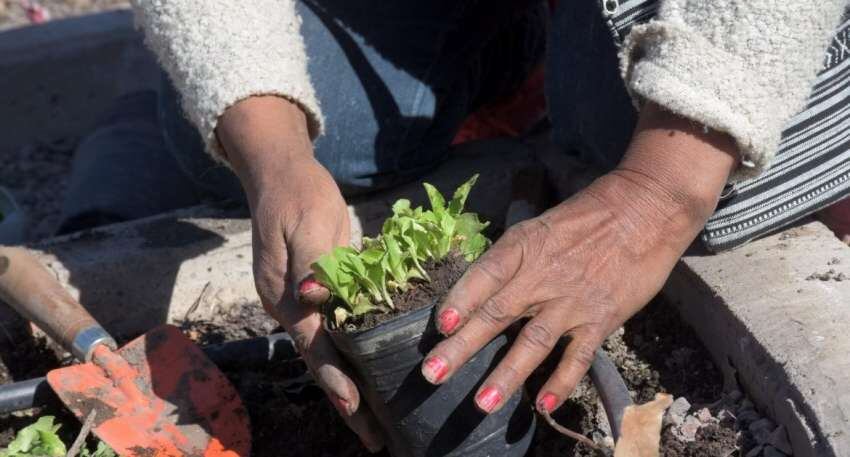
<point>400,320</point>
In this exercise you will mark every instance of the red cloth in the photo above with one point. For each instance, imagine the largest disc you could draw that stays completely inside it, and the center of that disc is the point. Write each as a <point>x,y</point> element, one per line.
<point>512,116</point>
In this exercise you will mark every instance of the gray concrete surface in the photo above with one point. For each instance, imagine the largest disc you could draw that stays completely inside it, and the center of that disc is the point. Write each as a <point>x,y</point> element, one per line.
<point>57,78</point>
<point>775,315</point>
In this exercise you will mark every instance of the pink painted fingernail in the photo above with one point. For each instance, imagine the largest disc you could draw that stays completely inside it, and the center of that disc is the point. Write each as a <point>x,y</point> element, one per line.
<point>308,285</point>
<point>488,399</point>
<point>547,403</point>
<point>434,369</point>
<point>449,320</point>
<point>342,405</point>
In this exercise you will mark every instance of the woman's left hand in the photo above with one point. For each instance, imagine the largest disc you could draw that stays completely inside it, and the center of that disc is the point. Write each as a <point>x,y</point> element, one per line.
<point>584,267</point>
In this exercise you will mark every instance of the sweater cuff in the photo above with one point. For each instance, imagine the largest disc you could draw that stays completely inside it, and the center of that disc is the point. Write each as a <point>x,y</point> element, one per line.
<point>683,72</point>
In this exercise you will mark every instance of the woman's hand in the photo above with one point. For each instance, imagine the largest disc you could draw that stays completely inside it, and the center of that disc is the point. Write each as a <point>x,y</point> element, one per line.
<point>584,267</point>
<point>298,214</point>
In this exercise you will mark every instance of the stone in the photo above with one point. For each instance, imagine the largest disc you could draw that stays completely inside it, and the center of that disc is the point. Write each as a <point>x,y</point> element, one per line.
<point>678,410</point>
<point>688,430</point>
<point>705,416</point>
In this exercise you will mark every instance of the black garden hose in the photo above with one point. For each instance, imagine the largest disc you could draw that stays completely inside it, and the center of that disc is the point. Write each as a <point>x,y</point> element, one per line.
<point>248,353</point>
<point>612,390</point>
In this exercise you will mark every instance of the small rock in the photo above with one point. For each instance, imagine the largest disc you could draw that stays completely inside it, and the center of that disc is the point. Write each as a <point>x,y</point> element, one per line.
<point>747,404</point>
<point>779,440</point>
<point>678,410</point>
<point>770,451</point>
<point>755,452</point>
<point>688,430</point>
<point>705,416</point>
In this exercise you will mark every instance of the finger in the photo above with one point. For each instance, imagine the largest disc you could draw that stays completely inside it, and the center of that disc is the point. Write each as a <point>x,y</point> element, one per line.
<point>484,278</point>
<point>364,425</point>
<point>575,362</point>
<point>533,343</point>
<point>328,369</point>
<point>314,234</point>
<point>486,322</point>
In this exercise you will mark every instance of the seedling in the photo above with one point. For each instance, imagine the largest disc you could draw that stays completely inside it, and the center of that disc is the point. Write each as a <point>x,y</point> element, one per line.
<point>41,440</point>
<point>363,281</point>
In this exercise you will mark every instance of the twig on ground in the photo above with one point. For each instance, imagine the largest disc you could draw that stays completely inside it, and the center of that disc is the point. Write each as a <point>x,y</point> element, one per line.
<point>84,433</point>
<point>195,305</point>
<point>574,435</point>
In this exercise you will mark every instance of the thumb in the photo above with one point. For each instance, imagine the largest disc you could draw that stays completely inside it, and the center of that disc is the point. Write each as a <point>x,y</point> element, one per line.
<point>305,247</point>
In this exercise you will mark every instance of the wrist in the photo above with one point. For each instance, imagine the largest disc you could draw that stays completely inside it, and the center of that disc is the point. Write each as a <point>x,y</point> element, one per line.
<point>263,136</point>
<point>670,180</point>
<point>684,163</point>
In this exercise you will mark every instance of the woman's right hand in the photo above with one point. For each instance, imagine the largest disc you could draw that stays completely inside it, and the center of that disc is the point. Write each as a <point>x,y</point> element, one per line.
<point>298,214</point>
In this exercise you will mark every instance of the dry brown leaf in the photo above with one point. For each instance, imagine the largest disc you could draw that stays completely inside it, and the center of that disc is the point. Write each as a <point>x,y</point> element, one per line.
<point>641,435</point>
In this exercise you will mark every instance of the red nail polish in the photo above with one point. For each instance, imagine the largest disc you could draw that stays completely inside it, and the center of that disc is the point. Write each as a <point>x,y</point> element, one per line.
<point>434,369</point>
<point>341,405</point>
<point>547,402</point>
<point>488,399</point>
<point>449,320</point>
<point>308,285</point>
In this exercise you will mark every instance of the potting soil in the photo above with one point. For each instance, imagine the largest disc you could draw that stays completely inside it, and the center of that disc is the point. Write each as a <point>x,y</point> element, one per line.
<point>290,417</point>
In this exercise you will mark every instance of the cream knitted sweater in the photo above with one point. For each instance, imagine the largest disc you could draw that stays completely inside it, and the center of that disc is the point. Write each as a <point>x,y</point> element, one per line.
<point>739,66</point>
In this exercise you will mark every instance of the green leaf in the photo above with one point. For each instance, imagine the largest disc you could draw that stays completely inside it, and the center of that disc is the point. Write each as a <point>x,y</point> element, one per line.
<point>102,450</point>
<point>438,203</point>
<point>401,207</point>
<point>37,440</point>
<point>460,195</point>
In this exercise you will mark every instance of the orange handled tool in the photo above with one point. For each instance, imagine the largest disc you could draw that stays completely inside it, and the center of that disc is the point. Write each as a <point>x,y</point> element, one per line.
<point>157,396</point>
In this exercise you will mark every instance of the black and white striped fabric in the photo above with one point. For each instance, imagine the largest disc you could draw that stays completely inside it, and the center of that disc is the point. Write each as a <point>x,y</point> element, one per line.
<point>812,165</point>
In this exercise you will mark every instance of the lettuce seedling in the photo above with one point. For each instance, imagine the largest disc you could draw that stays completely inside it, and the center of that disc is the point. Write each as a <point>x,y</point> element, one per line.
<point>41,440</point>
<point>38,439</point>
<point>362,281</point>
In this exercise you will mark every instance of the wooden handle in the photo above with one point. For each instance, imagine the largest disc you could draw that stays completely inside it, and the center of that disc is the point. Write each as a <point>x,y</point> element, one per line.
<point>36,295</point>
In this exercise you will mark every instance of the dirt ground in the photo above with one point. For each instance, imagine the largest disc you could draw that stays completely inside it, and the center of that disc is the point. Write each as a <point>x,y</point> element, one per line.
<point>655,353</point>
<point>13,12</point>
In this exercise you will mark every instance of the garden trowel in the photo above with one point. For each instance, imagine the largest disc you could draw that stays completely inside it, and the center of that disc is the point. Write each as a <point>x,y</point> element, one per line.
<point>157,396</point>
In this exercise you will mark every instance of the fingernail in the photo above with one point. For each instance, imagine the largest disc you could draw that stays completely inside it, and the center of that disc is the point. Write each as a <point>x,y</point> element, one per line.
<point>308,285</point>
<point>342,405</point>
<point>434,369</point>
<point>547,403</point>
<point>488,399</point>
<point>449,320</point>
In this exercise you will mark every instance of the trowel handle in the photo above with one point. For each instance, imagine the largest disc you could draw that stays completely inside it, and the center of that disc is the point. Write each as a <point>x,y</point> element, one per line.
<point>36,295</point>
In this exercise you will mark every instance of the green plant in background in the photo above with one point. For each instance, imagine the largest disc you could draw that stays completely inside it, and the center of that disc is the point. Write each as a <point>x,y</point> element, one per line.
<point>40,440</point>
<point>363,280</point>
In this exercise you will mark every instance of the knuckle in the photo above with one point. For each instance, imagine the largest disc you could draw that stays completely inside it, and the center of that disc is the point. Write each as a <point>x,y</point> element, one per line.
<point>537,336</point>
<point>583,354</point>
<point>496,312</point>
<point>453,348</point>
<point>491,269</point>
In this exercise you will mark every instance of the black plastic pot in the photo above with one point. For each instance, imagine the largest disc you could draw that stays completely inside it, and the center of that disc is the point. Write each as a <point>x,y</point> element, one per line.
<point>423,420</point>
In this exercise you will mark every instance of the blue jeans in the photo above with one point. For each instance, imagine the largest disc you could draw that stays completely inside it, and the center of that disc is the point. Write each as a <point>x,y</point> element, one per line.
<point>394,88</point>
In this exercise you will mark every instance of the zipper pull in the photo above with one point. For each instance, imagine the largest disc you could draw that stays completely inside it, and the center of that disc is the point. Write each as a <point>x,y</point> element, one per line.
<point>610,7</point>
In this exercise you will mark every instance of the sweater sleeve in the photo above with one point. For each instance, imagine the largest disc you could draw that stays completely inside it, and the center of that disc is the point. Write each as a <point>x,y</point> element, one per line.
<point>743,67</point>
<point>218,52</point>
